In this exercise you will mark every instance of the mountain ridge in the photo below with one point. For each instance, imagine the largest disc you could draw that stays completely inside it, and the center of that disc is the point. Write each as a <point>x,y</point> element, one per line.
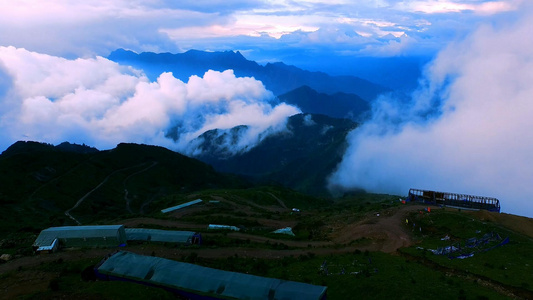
<point>277,77</point>
<point>42,181</point>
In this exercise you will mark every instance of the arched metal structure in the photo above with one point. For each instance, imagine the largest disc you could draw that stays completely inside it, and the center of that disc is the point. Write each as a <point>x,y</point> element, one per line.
<point>453,199</point>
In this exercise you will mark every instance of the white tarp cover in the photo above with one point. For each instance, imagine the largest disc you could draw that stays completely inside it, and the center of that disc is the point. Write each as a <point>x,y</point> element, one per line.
<point>286,230</point>
<point>205,281</point>
<point>173,208</point>
<point>53,247</point>
<point>223,227</point>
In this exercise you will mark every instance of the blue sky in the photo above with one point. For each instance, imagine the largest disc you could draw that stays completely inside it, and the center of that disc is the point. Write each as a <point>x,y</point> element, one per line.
<point>56,85</point>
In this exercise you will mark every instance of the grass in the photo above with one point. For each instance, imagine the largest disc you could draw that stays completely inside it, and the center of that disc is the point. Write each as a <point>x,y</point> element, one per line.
<point>415,274</point>
<point>366,276</point>
<point>44,194</point>
<point>510,264</point>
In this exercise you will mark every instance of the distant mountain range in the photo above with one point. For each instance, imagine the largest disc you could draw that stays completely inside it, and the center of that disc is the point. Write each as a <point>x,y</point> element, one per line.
<point>277,77</point>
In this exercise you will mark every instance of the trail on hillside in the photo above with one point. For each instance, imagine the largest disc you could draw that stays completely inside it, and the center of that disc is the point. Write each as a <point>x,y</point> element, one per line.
<point>80,201</point>
<point>279,201</point>
<point>128,200</point>
<point>54,180</point>
<point>387,225</point>
<point>385,233</point>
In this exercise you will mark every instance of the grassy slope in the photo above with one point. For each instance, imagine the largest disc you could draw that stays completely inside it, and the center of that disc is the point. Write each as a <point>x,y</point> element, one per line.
<point>40,183</point>
<point>410,274</point>
<point>510,265</point>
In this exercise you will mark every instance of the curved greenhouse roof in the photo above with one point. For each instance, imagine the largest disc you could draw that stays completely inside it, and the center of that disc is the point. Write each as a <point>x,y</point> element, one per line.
<point>82,236</point>
<point>200,282</point>
<point>157,235</point>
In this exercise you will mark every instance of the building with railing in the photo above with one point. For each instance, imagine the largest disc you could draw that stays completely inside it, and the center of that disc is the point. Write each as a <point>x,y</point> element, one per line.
<point>454,200</point>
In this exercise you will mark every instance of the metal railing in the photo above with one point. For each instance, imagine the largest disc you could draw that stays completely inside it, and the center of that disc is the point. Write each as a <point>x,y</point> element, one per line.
<point>454,199</point>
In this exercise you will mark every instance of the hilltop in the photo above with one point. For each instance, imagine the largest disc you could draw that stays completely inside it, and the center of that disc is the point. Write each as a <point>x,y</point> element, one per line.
<point>41,182</point>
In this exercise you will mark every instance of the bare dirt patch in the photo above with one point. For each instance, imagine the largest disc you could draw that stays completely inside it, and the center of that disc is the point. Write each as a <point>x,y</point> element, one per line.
<point>24,283</point>
<point>386,230</point>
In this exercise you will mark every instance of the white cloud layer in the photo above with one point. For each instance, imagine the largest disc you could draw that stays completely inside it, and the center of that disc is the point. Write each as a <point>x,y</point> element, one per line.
<point>88,28</point>
<point>480,142</point>
<point>100,103</point>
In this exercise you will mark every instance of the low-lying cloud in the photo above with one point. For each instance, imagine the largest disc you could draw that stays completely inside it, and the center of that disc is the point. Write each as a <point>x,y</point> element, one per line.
<point>466,130</point>
<point>100,103</point>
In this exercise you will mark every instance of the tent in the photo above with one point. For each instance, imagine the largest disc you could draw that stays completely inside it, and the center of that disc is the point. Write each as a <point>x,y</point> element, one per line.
<point>197,282</point>
<point>52,238</point>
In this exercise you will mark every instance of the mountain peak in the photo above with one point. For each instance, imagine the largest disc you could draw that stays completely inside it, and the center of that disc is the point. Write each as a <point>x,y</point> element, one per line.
<point>77,148</point>
<point>217,55</point>
<point>122,54</point>
<point>338,104</point>
<point>26,146</point>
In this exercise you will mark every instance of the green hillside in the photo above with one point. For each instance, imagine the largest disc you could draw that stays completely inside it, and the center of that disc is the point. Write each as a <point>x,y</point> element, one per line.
<point>41,182</point>
<point>364,246</point>
<point>300,158</point>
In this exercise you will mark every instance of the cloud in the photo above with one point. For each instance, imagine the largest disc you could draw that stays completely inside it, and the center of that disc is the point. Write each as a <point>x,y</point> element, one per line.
<point>98,102</point>
<point>83,29</point>
<point>262,28</point>
<point>466,130</point>
<point>390,47</point>
<point>244,25</point>
<point>443,6</point>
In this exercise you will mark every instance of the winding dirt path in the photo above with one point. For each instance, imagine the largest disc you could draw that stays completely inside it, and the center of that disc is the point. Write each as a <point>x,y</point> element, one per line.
<point>80,201</point>
<point>128,200</point>
<point>384,233</point>
<point>279,201</point>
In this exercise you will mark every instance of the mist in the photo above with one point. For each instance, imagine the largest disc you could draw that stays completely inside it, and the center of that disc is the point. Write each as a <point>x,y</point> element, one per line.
<point>101,103</point>
<point>466,129</point>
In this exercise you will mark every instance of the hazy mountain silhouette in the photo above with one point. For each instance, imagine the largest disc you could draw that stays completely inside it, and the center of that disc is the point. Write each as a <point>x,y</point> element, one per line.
<point>338,105</point>
<point>300,158</point>
<point>277,77</point>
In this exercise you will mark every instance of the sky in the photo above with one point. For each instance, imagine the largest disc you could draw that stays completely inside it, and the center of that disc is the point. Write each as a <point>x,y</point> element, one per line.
<point>464,128</point>
<point>263,30</point>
